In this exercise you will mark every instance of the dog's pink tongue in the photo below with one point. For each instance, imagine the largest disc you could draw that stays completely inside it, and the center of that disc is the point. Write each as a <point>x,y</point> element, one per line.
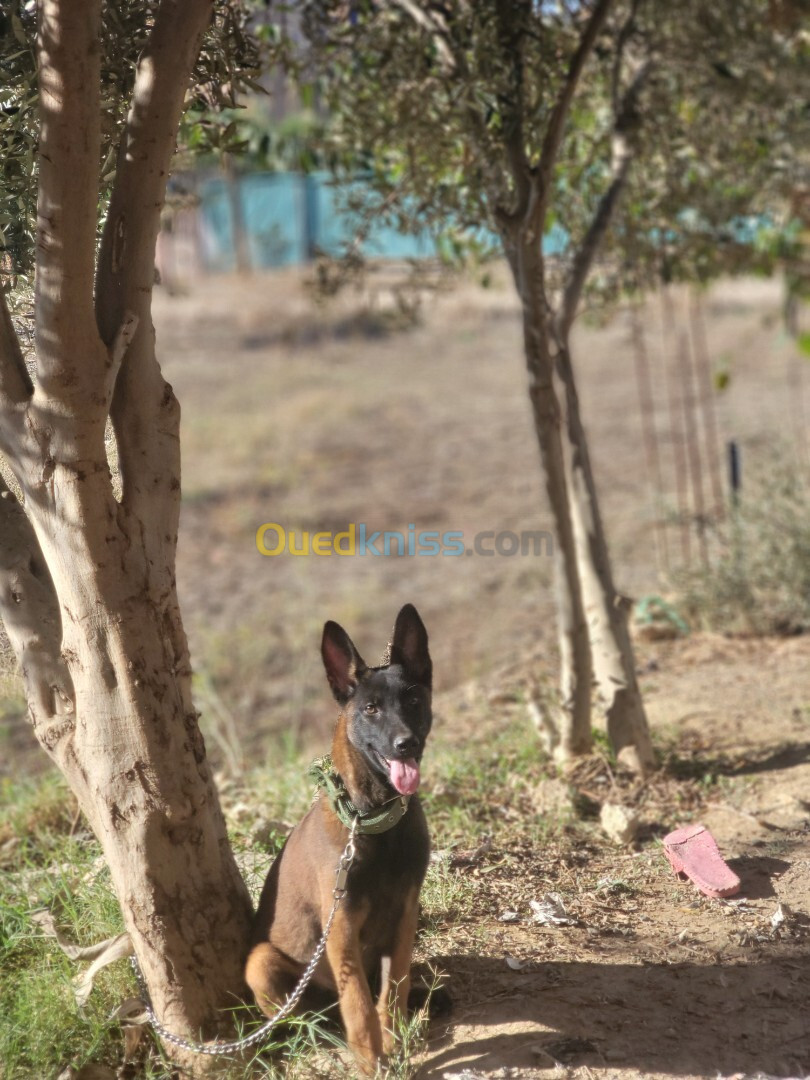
<point>404,776</point>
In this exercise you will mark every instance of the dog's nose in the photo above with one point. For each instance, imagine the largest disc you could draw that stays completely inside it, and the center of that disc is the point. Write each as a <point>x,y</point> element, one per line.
<point>407,745</point>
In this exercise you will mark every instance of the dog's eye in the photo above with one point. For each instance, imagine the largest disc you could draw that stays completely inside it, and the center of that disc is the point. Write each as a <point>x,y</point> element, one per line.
<point>370,709</point>
<point>414,703</point>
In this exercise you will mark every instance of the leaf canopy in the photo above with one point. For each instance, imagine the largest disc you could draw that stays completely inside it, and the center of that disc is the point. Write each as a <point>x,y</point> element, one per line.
<point>229,61</point>
<point>444,102</point>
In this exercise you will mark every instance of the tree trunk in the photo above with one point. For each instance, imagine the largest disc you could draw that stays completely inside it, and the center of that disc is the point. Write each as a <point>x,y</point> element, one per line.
<point>127,743</point>
<point>521,229</point>
<point>606,611</point>
<point>87,583</point>
<point>609,638</point>
<point>570,733</point>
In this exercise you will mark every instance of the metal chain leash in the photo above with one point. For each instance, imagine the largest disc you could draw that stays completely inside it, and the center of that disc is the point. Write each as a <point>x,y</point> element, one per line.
<point>218,1047</point>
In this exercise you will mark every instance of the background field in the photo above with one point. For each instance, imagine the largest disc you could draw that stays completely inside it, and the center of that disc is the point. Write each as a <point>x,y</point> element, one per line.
<point>318,417</point>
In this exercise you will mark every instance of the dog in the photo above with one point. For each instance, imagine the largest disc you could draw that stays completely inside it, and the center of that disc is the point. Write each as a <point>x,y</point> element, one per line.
<point>378,742</point>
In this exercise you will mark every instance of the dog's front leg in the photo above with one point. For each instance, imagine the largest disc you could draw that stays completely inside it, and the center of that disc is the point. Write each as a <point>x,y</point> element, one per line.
<point>363,1032</point>
<point>392,1004</point>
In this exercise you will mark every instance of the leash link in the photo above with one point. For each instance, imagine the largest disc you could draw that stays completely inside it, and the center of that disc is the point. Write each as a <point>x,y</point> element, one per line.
<point>343,867</point>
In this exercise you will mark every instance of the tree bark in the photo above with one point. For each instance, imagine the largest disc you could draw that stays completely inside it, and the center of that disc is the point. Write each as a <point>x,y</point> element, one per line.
<point>30,614</point>
<point>87,584</point>
<point>606,611</point>
<point>568,734</point>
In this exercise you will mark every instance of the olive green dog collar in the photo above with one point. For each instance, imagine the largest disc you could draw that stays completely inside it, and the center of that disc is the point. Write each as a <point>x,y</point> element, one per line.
<point>369,822</point>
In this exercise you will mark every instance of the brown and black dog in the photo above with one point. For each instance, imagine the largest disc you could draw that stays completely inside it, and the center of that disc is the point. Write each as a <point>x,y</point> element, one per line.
<point>378,743</point>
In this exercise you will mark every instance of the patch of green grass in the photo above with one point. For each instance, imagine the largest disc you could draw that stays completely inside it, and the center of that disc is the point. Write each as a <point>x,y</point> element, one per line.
<point>49,865</point>
<point>252,689</point>
<point>447,898</point>
<point>412,1037</point>
<point>306,1045</point>
<point>35,814</point>
<point>13,705</point>
<point>486,785</point>
<point>273,794</point>
<point>602,744</point>
<point>614,886</point>
<point>51,862</point>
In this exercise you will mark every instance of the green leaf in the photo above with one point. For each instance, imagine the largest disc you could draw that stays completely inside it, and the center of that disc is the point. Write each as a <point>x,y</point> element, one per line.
<point>803,341</point>
<point>17,29</point>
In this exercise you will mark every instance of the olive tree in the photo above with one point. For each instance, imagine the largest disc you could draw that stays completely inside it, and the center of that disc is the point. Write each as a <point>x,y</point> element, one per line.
<point>87,573</point>
<point>611,119</point>
<point>464,111</point>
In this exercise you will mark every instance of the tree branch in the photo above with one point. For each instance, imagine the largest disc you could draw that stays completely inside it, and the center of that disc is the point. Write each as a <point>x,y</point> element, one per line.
<point>511,16</point>
<point>30,613</point>
<point>69,359</point>
<point>121,342</point>
<point>433,24</point>
<point>144,410</point>
<point>559,112</point>
<point>622,39</point>
<point>15,382</point>
<point>623,150</point>
<point>126,262</point>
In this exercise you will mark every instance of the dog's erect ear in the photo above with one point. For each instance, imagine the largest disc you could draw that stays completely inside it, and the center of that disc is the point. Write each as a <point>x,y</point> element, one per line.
<point>410,646</point>
<point>344,664</point>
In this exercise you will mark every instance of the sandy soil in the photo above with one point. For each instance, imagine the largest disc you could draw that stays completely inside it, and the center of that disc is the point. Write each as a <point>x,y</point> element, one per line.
<point>655,980</point>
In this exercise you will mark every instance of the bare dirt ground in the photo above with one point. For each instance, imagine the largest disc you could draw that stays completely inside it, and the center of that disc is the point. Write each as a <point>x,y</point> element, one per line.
<point>655,980</point>
<point>315,419</point>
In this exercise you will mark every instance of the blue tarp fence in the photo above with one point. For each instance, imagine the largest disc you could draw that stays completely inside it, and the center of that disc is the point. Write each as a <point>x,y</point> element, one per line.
<point>289,217</point>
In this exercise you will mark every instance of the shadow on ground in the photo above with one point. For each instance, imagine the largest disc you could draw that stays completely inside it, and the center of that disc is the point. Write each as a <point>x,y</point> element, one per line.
<point>673,1019</point>
<point>695,766</point>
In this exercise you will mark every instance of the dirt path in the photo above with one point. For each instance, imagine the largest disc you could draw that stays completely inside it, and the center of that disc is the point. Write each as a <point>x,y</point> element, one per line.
<point>655,980</point>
